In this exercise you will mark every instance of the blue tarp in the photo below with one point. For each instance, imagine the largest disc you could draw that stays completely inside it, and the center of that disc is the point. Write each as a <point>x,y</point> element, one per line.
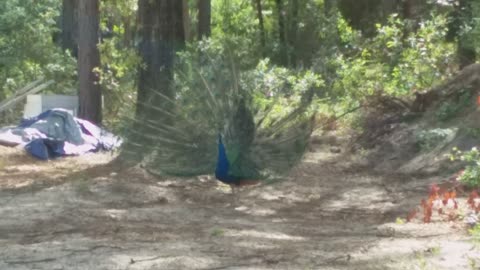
<point>55,133</point>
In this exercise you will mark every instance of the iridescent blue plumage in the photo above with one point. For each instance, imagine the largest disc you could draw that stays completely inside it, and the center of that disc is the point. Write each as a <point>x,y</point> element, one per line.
<point>223,172</point>
<point>223,166</point>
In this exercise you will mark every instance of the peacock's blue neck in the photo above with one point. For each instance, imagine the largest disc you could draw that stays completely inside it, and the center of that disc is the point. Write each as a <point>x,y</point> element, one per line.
<point>223,166</point>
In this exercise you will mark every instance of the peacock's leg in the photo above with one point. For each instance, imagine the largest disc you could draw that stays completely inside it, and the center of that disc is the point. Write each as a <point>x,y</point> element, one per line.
<point>234,194</point>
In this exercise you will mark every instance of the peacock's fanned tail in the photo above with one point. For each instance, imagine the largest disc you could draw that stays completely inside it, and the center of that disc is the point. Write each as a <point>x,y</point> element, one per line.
<point>182,137</point>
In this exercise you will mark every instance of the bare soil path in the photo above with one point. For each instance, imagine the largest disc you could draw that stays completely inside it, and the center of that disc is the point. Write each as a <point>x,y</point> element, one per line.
<point>332,213</point>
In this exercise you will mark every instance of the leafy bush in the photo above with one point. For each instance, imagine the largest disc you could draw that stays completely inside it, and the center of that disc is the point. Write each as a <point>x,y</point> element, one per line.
<point>449,109</point>
<point>27,48</point>
<point>395,62</point>
<point>475,233</point>
<point>429,139</point>
<point>471,174</point>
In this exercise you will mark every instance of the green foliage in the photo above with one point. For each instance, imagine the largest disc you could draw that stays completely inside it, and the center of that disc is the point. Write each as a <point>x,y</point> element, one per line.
<point>217,232</point>
<point>281,88</point>
<point>394,62</point>
<point>471,174</point>
<point>475,233</point>
<point>27,49</point>
<point>234,23</point>
<point>120,62</point>
<point>429,139</point>
<point>474,132</point>
<point>449,109</point>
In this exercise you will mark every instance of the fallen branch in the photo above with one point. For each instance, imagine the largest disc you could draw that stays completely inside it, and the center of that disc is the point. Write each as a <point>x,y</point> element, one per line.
<point>32,261</point>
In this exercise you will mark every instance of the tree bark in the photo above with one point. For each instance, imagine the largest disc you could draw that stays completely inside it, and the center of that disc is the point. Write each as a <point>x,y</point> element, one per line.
<point>258,7</point>
<point>161,32</point>
<point>90,96</point>
<point>281,33</point>
<point>292,35</point>
<point>186,21</point>
<point>204,18</point>
<point>69,26</point>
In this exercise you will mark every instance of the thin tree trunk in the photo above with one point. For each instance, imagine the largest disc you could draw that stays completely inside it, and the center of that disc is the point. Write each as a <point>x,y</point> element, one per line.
<point>186,21</point>
<point>69,26</point>
<point>204,18</point>
<point>90,96</point>
<point>292,37</point>
<point>258,6</point>
<point>281,33</point>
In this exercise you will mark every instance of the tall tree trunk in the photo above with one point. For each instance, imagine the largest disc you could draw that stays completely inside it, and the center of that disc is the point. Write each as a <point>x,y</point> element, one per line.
<point>204,18</point>
<point>69,26</point>
<point>162,33</point>
<point>258,6</point>
<point>186,21</point>
<point>129,35</point>
<point>283,59</point>
<point>90,96</point>
<point>292,34</point>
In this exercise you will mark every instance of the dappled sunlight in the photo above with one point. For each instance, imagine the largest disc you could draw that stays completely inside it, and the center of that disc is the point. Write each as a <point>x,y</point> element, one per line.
<point>362,198</point>
<point>116,213</point>
<point>20,171</point>
<point>292,194</point>
<point>265,235</point>
<point>256,211</point>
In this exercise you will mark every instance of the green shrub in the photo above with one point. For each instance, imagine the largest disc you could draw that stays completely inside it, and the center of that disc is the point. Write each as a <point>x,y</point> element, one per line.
<point>449,109</point>
<point>471,174</point>
<point>429,139</point>
<point>475,233</point>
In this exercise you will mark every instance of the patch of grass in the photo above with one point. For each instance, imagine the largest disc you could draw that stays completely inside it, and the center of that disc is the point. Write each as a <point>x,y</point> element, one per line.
<point>472,263</point>
<point>421,257</point>
<point>400,221</point>
<point>217,232</point>
<point>422,262</point>
<point>475,233</point>
<point>470,176</point>
<point>434,250</point>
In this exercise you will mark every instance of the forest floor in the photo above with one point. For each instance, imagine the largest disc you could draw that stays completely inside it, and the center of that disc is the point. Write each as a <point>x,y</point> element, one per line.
<point>334,212</point>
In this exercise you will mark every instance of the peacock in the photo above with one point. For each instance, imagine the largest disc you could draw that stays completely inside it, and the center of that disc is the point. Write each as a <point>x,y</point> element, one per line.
<point>216,123</point>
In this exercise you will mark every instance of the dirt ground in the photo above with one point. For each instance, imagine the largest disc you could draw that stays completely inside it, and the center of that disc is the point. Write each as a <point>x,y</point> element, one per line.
<point>333,212</point>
